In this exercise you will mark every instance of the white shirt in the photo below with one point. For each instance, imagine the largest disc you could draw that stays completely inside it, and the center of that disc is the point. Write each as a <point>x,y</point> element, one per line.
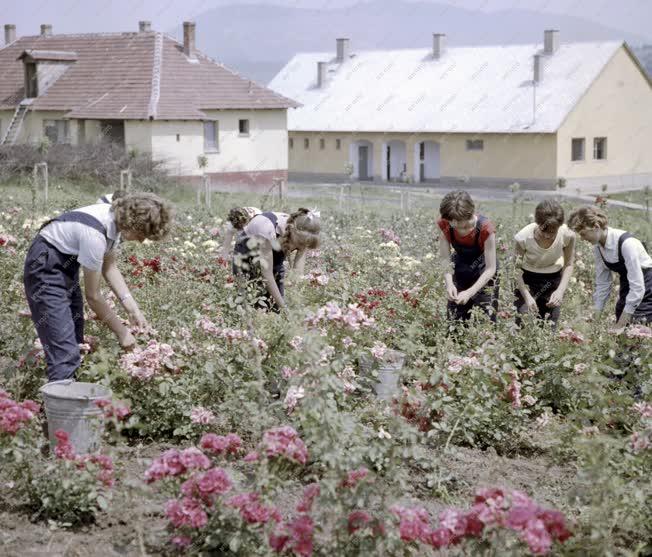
<point>543,260</point>
<point>636,259</point>
<point>89,245</point>
<point>262,227</point>
<point>108,197</point>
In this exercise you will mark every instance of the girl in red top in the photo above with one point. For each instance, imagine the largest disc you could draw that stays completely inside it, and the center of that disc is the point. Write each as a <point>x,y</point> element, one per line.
<point>472,281</point>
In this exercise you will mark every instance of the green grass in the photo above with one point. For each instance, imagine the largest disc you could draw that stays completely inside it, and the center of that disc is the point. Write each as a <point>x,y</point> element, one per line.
<point>637,196</point>
<point>64,195</point>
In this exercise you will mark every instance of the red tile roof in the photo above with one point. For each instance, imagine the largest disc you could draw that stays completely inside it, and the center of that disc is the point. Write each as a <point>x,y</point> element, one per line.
<point>132,76</point>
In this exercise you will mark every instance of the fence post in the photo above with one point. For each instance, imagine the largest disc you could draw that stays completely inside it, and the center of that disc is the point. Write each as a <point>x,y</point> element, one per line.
<point>207,191</point>
<point>125,180</point>
<point>46,180</point>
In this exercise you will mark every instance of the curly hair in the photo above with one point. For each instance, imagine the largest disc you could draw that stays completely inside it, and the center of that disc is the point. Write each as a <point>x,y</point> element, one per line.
<point>303,228</point>
<point>457,205</point>
<point>587,217</point>
<point>549,215</point>
<point>239,217</point>
<point>143,212</point>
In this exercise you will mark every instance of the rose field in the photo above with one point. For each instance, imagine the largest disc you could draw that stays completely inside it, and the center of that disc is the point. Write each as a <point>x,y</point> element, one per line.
<point>232,431</point>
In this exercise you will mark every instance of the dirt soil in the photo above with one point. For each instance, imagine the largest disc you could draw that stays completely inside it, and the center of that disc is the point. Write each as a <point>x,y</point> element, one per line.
<point>134,524</point>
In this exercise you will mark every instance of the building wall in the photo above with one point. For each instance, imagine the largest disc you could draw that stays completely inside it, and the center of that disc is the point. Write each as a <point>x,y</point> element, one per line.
<point>264,149</point>
<point>5,118</point>
<point>504,156</point>
<point>138,135</point>
<point>618,106</point>
<point>32,129</point>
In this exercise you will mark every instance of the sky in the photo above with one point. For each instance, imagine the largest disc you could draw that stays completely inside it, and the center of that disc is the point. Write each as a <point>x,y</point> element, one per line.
<point>75,16</point>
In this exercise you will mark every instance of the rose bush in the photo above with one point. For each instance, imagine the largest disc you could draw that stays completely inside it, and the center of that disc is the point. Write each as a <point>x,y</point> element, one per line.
<point>214,367</point>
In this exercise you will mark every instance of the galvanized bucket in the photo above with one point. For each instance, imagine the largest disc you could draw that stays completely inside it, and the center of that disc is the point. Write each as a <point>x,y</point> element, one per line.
<point>70,406</point>
<point>387,372</point>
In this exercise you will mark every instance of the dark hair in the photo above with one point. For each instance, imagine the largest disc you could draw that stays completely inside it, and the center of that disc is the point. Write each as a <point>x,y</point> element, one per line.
<point>239,217</point>
<point>457,205</point>
<point>587,217</point>
<point>144,212</point>
<point>549,214</point>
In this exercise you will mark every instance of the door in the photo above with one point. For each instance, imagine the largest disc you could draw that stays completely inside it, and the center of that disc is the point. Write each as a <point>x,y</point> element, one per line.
<point>363,158</point>
<point>422,161</point>
<point>389,163</point>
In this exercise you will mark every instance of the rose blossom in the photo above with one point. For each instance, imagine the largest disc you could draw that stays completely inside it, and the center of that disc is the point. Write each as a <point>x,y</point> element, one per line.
<point>201,415</point>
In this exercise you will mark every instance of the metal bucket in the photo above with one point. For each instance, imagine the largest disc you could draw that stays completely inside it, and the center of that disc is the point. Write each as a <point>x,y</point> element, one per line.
<point>70,406</point>
<point>387,372</point>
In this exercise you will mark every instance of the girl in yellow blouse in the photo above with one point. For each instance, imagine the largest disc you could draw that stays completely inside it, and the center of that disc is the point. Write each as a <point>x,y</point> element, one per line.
<point>546,249</point>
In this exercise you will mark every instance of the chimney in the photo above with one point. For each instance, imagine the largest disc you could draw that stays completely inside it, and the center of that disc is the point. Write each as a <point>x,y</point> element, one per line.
<point>321,74</point>
<point>189,39</point>
<point>46,30</point>
<point>550,41</point>
<point>10,33</point>
<point>438,45</point>
<point>538,68</point>
<point>144,26</point>
<point>342,47</point>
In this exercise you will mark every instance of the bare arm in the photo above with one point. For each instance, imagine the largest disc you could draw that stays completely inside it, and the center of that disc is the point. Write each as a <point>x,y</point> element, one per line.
<point>229,233</point>
<point>522,287</point>
<point>267,266</point>
<point>567,270</point>
<point>530,302</point>
<point>116,281</point>
<point>299,262</point>
<point>104,313</point>
<point>445,259</point>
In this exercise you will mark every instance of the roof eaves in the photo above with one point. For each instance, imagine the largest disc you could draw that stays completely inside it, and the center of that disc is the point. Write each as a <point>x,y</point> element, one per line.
<point>292,103</point>
<point>636,61</point>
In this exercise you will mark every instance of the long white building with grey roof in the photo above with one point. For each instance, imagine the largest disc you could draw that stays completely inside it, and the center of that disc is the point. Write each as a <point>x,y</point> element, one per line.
<point>491,116</point>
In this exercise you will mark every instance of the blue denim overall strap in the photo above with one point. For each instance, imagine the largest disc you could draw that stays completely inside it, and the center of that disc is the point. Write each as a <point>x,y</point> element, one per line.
<point>644,310</point>
<point>105,199</point>
<point>82,218</point>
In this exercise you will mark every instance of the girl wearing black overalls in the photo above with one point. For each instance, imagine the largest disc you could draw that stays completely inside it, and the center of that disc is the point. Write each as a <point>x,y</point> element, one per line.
<point>617,251</point>
<point>86,237</point>
<point>546,250</point>
<point>263,245</point>
<point>473,282</point>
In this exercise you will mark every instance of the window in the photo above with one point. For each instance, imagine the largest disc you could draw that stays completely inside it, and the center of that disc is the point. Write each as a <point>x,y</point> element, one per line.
<point>322,143</point>
<point>306,143</point>
<point>56,131</point>
<point>475,145</point>
<point>599,148</point>
<point>577,149</point>
<point>31,81</point>
<point>291,143</point>
<point>243,127</point>
<point>338,144</point>
<point>211,143</point>
<point>178,137</point>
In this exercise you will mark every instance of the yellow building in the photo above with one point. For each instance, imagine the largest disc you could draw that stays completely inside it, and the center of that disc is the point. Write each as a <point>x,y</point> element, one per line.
<point>484,116</point>
<point>147,92</point>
